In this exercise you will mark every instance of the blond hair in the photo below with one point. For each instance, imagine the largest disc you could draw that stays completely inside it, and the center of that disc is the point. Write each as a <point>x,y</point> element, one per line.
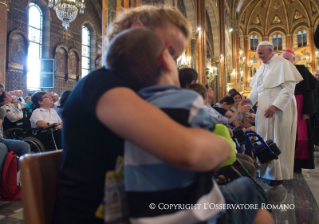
<point>151,17</point>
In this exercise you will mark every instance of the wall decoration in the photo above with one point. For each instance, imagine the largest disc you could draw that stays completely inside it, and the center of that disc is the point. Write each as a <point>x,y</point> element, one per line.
<point>263,3</point>
<point>313,8</point>
<point>276,20</point>
<point>243,18</point>
<point>256,21</point>
<point>73,64</point>
<point>290,1</point>
<point>18,50</point>
<point>61,61</point>
<point>297,16</point>
<point>276,4</point>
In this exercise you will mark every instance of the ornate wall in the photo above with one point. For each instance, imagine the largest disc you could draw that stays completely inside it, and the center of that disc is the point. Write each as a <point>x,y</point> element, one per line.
<point>266,18</point>
<point>18,20</point>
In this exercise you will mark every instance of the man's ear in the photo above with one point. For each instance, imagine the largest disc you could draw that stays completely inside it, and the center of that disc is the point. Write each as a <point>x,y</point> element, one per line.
<point>137,24</point>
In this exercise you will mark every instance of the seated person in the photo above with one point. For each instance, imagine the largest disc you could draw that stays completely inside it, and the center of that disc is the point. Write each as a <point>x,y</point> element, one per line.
<point>44,116</point>
<point>247,161</point>
<point>18,147</point>
<point>187,77</point>
<point>15,103</point>
<point>154,180</point>
<point>241,110</point>
<point>13,114</point>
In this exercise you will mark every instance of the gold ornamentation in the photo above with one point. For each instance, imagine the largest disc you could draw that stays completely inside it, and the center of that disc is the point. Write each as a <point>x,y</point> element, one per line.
<point>314,9</point>
<point>298,15</point>
<point>276,20</point>
<point>256,20</point>
<point>276,4</point>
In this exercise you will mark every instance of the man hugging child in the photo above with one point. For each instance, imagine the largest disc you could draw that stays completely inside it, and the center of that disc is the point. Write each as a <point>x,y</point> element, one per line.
<point>149,180</point>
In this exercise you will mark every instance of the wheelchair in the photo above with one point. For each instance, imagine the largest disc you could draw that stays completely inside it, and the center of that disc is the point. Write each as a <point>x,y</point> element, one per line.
<point>22,130</point>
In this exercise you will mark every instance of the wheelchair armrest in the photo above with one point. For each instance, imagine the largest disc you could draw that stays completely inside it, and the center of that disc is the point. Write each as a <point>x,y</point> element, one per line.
<point>54,125</point>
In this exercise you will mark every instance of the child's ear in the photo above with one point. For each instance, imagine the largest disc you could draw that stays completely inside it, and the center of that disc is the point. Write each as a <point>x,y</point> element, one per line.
<point>164,61</point>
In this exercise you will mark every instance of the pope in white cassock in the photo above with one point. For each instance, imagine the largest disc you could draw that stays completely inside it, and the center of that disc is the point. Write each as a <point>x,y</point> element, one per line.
<point>273,88</point>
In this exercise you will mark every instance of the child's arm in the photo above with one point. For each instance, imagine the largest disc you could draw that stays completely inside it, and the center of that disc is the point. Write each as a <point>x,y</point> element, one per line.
<point>151,129</point>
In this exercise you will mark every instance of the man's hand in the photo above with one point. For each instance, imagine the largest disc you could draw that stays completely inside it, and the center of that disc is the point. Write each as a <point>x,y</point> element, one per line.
<point>245,102</point>
<point>270,111</point>
<point>305,116</point>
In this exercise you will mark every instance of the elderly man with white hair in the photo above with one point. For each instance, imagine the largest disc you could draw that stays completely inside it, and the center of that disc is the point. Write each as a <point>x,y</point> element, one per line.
<point>273,87</point>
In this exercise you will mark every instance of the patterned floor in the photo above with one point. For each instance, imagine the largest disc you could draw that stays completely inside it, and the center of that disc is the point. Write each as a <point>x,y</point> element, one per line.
<point>302,192</point>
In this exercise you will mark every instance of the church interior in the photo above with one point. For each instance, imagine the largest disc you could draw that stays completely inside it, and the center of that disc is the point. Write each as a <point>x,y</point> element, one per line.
<point>44,47</point>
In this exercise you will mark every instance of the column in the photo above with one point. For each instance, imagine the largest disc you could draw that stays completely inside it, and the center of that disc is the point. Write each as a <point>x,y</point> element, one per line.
<point>238,78</point>
<point>222,68</point>
<point>312,49</point>
<point>201,41</point>
<point>193,52</point>
<point>3,41</point>
<point>246,50</point>
<point>265,38</point>
<point>289,41</point>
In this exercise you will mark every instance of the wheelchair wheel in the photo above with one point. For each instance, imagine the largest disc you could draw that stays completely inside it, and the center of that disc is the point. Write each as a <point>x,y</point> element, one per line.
<point>13,133</point>
<point>35,144</point>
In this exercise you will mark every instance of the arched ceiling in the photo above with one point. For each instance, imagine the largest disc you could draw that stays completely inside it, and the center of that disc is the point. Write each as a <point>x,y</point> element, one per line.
<point>264,16</point>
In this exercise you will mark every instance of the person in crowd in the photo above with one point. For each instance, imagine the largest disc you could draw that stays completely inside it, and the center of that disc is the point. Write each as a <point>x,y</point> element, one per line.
<point>64,97</point>
<point>18,147</point>
<point>106,125</point>
<point>231,91</point>
<point>273,87</point>
<point>315,116</point>
<point>13,114</point>
<point>20,99</point>
<point>241,110</point>
<point>247,161</point>
<point>304,94</point>
<point>2,87</point>
<point>186,107</point>
<point>55,99</point>
<point>27,99</point>
<point>15,103</point>
<point>187,76</point>
<point>219,118</point>
<point>45,116</point>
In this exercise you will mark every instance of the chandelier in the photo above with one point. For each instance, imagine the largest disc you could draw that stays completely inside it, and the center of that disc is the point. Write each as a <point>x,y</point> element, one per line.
<point>67,10</point>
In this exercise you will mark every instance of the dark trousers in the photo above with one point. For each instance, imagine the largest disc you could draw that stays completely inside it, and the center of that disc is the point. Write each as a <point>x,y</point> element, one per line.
<point>46,139</point>
<point>314,121</point>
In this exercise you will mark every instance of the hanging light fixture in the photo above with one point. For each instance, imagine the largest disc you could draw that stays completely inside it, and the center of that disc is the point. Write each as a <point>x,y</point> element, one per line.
<point>67,10</point>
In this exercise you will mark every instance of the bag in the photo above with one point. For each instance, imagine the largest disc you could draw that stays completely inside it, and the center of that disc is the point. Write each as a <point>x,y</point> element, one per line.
<point>9,184</point>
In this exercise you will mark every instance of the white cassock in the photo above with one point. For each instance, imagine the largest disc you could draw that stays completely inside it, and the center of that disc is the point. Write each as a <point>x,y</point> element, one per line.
<point>274,84</point>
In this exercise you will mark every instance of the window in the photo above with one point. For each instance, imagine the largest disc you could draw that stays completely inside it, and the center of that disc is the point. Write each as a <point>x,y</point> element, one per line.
<point>35,46</point>
<point>253,42</point>
<point>86,51</point>
<point>302,38</point>
<point>277,42</point>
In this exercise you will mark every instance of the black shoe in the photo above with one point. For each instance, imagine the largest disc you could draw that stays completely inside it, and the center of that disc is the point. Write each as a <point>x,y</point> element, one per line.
<point>273,183</point>
<point>297,170</point>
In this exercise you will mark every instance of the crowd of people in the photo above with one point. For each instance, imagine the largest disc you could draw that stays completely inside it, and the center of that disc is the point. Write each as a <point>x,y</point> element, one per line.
<point>45,108</point>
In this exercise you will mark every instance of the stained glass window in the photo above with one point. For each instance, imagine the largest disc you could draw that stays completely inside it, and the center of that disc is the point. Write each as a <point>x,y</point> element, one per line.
<point>35,46</point>
<point>86,54</point>
<point>299,39</point>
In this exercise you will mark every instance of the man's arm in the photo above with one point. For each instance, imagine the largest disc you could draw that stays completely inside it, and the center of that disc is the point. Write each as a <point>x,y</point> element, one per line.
<point>285,95</point>
<point>151,129</point>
